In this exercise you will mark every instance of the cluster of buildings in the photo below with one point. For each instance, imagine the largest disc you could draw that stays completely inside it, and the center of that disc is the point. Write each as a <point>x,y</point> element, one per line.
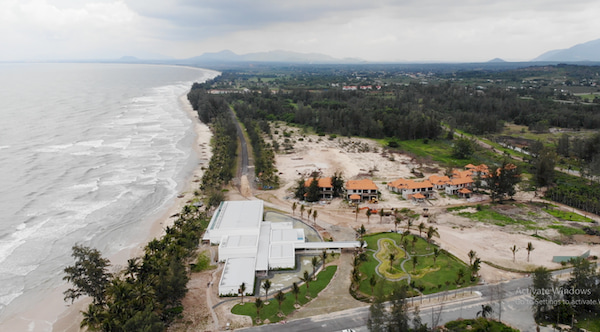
<point>250,246</point>
<point>459,183</point>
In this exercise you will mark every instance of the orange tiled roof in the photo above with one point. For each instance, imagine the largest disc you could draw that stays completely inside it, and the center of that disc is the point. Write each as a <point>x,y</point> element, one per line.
<point>439,180</point>
<point>354,196</point>
<point>410,184</point>
<point>457,181</point>
<point>464,191</point>
<point>322,182</point>
<point>418,196</point>
<point>364,184</point>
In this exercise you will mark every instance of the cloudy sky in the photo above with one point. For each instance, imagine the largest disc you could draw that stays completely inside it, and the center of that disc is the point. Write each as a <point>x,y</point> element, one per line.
<point>373,30</point>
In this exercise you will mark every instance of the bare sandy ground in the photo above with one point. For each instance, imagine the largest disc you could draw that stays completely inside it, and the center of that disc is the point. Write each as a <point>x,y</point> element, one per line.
<point>362,158</point>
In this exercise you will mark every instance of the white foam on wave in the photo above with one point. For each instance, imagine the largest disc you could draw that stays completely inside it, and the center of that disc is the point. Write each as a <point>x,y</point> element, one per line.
<point>16,239</point>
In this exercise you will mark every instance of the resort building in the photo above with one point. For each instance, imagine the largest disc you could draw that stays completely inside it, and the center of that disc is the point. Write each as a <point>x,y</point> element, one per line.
<point>325,187</point>
<point>412,189</point>
<point>248,245</point>
<point>360,190</point>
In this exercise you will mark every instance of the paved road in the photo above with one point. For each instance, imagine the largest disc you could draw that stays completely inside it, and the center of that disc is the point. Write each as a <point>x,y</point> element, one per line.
<point>510,300</point>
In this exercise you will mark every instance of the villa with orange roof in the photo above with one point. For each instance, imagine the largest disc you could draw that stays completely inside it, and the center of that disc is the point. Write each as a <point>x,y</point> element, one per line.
<point>360,190</point>
<point>456,184</point>
<point>439,182</point>
<point>412,189</point>
<point>325,187</point>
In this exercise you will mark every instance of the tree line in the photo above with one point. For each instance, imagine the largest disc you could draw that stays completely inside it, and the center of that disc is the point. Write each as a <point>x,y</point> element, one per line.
<point>146,295</point>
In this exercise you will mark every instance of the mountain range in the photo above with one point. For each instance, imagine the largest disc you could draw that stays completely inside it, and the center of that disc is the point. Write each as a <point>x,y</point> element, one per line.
<point>589,51</point>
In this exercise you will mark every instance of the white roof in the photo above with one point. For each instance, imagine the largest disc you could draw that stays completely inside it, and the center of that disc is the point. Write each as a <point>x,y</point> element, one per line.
<point>328,245</point>
<point>237,214</point>
<point>262,255</point>
<point>237,241</point>
<point>281,250</point>
<point>238,270</point>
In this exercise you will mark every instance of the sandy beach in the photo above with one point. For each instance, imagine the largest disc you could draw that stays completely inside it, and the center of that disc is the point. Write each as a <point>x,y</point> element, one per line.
<point>51,313</point>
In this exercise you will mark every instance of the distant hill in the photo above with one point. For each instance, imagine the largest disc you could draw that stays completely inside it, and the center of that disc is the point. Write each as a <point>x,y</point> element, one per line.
<point>271,56</point>
<point>496,60</point>
<point>589,51</point>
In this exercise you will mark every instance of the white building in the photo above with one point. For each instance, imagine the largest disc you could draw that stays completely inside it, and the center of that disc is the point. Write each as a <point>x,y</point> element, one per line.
<point>247,244</point>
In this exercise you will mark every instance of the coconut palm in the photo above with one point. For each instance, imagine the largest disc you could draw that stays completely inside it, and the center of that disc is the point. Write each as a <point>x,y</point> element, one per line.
<point>369,213</point>
<point>421,228</point>
<point>356,211</point>
<point>514,250</point>
<point>242,290</point>
<point>280,297</point>
<point>309,214</point>
<point>459,275</point>
<point>397,221</point>
<point>295,291</point>
<point>415,260</point>
<point>324,257</point>
<point>472,254</point>
<point>476,266</point>
<point>409,223</point>
<point>93,317</point>
<point>381,213</point>
<point>315,217</point>
<point>361,231</point>
<point>259,304</point>
<point>436,253</point>
<point>315,262</point>
<point>529,249</point>
<point>391,257</point>
<point>294,208</point>
<point>302,208</point>
<point>306,278</point>
<point>431,232</point>
<point>486,310</point>
<point>266,286</point>
<point>372,283</point>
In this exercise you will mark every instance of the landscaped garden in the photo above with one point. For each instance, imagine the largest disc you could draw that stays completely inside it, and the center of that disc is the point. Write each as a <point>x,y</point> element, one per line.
<point>412,259</point>
<point>278,307</point>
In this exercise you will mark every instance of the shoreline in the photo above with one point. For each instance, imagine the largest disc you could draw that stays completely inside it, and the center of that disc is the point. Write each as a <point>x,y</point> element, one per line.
<point>51,312</point>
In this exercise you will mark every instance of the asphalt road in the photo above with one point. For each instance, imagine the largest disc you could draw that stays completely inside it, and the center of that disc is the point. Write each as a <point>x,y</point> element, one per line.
<point>510,301</point>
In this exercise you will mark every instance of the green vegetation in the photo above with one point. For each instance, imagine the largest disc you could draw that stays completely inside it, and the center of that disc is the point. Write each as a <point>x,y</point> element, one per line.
<point>271,311</point>
<point>566,230</point>
<point>486,213</point>
<point>427,276</point>
<point>478,325</point>
<point>568,216</point>
<point>202,263</point>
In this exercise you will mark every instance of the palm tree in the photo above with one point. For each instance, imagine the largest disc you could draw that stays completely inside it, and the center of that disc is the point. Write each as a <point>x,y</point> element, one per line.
<point>266,286</point>
<point>306,278</point>
<point>242,290</point>
<point>514,250</point>
<point>459,275</point>
<point>476,266</point>
<point>397,221</point>
<point>314,261</point>
<point>372,283</point>
<point>529,249</point>
<point>315,217</point>
<point>302,208</point>
<point>381,213</point>
<point>391,258</point>
<point>369,215</point>
<point>324,257</point>
<point>405,233</point>
<point>259,304</point>
<point>133,267</point>
<point>294,208</point>
<point>421,228</point>
<point>436,253</point>
<point>485,311</point>
<point>415,260</point>
<point>280,297</point>
<point>409,223</point>
<point>431,231</point>
<point>93,317</point>
<point>356,211</point>
<point>295,291</point>
<point>309,214</point>
<point>361,231</point>
<point>472,254</point>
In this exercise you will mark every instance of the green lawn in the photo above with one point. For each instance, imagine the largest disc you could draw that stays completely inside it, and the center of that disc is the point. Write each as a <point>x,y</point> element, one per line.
<point>488,214</point>
<point>566,230</point>
<point>568,216</point>
<point>429,276</point>
<point>270,311</point>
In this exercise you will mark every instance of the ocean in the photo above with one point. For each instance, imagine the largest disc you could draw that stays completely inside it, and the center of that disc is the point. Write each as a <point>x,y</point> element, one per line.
<point>88,153</point>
